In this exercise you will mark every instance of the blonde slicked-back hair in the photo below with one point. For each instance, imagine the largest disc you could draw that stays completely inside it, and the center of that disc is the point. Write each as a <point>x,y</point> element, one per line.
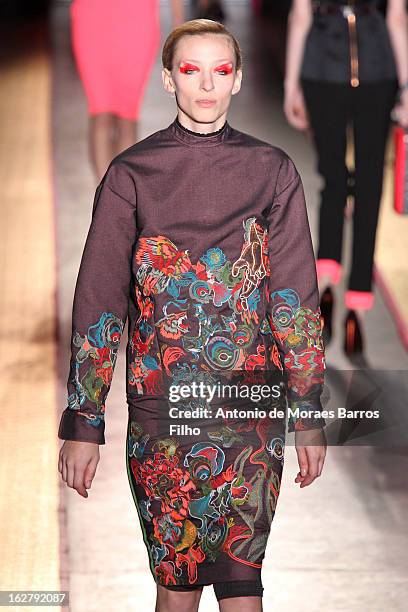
<point>197,26</point>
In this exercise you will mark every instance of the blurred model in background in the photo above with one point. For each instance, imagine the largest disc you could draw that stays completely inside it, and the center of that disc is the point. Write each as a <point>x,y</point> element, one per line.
<point>115,43</point>
<point>347,62</point>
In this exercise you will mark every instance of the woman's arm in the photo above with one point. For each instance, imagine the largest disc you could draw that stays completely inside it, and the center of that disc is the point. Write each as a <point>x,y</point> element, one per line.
<point>295,319</point>
<point>293,309</point>
<point>100,305</point>
<point>299,21</point>
<point>396,20</point>
<point>98,318</point>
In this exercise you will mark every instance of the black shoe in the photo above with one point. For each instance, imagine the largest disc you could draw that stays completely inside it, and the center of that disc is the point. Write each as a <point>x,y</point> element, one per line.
<point>326,310</point>
<point>353,337</point>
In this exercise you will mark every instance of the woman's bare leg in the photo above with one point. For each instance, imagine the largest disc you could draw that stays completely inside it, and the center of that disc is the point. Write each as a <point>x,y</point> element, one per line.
<point>241,604</point>
<point>125,134</point>
<point>101,138</point>
<point>177,601</point>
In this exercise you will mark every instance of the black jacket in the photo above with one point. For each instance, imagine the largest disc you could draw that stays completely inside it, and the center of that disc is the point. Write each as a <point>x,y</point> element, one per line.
<point>327,55</point>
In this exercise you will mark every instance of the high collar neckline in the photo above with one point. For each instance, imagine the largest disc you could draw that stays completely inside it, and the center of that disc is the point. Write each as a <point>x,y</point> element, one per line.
<point>197,139</point>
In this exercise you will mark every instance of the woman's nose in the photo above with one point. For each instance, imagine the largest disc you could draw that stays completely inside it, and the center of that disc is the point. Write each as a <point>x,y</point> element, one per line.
<point>207,82</point>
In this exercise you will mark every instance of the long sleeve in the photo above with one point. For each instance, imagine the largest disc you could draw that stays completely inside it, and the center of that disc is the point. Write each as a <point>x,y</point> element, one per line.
<point>293,307</point>
<point>100,305</point>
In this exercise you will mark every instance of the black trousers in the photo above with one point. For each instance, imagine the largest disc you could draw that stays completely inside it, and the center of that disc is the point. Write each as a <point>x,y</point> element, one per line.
<point>224,590</point>
<point>331,106</point>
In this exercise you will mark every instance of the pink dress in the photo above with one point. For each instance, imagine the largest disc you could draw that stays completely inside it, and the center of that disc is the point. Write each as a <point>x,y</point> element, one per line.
<point>115,43</point>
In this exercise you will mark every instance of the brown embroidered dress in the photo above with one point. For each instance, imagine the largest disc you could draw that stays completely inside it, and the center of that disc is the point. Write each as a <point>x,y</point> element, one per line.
<point>202,243</point>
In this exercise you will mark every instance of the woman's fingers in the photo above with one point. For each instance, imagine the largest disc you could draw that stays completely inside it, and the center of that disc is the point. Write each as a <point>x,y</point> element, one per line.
<point>400,114</point>
<point>312,472</point>
<point>64,468</point>
<point>303,463</point>
<point>79,485</point>
<point>297,118</point>
<point>70,474</point>
<point>320,466</point>
<point>321,460</point>
<point>311,461</point>
<point>294,110</point>
<point>90,471</point>
<point>300,108</point>
<point>76,477</point>
<point>77,464</point>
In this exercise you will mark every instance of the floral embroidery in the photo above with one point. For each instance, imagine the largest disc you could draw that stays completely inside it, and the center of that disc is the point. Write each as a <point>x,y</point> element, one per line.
<point>92,365</point>
<point>216,341</point>
<point>195,507</point>
<point>298,330</point>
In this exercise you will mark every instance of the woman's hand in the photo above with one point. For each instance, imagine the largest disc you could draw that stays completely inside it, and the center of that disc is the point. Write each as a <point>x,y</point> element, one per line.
<point>311,448</point>
<point>77,464</point>
<point>400,111</point>
<point>294,107</point>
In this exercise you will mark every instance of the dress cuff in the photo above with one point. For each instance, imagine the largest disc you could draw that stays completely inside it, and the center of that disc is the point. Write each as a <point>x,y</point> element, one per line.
<point>76,427</point>
<point>296,422</point>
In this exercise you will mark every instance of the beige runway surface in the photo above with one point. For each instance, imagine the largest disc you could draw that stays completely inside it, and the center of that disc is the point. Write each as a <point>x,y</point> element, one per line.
<point>30,490</point>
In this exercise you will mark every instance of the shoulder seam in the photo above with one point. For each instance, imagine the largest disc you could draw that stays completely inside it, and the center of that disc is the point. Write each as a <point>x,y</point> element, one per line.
<point>296,177</point>
<point>121,196</point>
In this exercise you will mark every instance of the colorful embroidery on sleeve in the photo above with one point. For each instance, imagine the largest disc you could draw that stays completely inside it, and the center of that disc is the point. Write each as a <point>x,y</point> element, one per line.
<point>93,361</point>
<point>298,331</point>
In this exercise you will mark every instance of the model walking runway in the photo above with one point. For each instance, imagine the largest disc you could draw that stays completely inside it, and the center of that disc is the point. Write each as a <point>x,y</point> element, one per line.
<point>202,302</point>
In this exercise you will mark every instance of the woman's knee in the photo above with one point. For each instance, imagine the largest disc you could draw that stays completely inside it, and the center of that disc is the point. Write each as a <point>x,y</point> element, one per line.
<point>182,601</point>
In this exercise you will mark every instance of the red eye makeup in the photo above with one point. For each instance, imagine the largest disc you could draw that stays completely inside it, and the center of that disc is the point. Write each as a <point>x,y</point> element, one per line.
<point>227,68</point>
<point>187,67</point>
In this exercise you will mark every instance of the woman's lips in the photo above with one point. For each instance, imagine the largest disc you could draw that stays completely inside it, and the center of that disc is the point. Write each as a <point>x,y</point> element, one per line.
<point>205,102</point>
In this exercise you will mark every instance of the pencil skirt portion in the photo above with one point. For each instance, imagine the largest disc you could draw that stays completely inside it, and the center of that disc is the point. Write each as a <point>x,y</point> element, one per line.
<point>205,502</point>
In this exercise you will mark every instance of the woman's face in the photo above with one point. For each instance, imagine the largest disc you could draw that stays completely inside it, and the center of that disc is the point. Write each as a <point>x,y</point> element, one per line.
<point>203,76</point>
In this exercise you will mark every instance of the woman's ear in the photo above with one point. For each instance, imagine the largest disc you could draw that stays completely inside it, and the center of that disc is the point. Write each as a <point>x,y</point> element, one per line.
<point>168,81</point>
<point>237,82</point>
